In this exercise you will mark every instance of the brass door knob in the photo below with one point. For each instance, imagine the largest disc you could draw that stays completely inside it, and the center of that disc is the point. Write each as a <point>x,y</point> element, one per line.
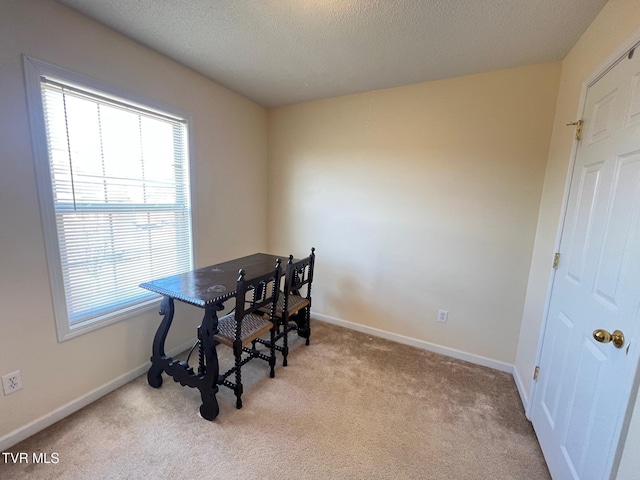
<point>602,336</point>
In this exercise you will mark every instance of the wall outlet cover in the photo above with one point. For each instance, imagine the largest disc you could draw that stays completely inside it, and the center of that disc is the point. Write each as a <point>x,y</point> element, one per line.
<point>12,382</point>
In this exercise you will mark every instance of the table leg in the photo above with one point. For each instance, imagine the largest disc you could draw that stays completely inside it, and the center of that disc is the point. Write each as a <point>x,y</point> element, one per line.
<point>301,323</point>
<point>206,379</point>
<point>209,385</point>
<point>158,357</point>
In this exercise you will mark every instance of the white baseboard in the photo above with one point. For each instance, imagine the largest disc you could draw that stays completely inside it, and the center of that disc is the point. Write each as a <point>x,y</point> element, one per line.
<point>520,386</point>
<point>414,342</point>
<point>73,406</point>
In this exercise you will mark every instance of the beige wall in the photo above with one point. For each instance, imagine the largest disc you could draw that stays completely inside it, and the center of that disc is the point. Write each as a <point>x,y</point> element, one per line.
<point>615,24</point>
<point>230,157</point>
<point>417,199</point>
<point>437,183</point>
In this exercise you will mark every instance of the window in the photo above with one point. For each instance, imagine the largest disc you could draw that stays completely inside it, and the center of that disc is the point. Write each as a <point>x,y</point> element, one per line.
<point>113,179</point>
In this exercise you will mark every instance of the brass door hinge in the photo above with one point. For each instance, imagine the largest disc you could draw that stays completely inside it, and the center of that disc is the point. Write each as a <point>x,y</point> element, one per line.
<point>578,126</point>
<point>556,261</point>
<point>536,372</point>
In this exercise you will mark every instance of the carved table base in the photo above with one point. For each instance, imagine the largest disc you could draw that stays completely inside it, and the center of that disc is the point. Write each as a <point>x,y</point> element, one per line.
<point>206,378</point>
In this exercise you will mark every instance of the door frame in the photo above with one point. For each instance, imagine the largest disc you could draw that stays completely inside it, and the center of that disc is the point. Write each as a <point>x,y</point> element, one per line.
<point>633,385</point>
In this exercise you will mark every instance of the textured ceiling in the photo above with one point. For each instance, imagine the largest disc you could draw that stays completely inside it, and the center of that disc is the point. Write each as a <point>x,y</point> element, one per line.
<point>278,52</point>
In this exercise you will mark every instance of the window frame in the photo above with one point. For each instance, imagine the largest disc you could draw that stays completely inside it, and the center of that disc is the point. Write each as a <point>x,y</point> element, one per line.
<point>33,70</point>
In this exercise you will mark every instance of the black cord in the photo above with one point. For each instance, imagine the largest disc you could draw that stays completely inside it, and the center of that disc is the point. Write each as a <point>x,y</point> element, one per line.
<point>192,349</point>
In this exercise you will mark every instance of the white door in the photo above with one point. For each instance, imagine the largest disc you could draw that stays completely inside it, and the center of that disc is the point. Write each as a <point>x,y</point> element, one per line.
<point>583,385</point>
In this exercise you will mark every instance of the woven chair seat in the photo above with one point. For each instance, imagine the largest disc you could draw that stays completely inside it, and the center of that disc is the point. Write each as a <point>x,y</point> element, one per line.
<point>253,326</point>
<point>296,302</point>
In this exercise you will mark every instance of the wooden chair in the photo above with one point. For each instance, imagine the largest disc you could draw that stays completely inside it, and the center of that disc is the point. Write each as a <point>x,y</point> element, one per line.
<point>247,323</point>
<point>291,305</point>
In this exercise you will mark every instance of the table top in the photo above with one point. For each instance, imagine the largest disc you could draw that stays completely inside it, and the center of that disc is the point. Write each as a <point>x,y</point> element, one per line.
<point>214,284</point>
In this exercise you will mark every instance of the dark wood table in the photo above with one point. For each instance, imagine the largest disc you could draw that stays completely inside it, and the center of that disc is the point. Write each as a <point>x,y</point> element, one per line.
<point>207,288</point>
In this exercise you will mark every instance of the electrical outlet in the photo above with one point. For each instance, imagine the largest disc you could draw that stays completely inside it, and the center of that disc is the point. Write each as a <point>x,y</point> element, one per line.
<point>442,316</point>
<point>12,382</point>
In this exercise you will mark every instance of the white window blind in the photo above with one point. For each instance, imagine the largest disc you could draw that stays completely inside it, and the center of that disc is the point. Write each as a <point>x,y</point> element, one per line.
<point>120,184</point>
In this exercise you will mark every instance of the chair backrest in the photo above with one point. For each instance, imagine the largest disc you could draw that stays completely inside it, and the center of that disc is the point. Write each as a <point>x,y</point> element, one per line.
<point>252,294</point>
<point>298,274</point>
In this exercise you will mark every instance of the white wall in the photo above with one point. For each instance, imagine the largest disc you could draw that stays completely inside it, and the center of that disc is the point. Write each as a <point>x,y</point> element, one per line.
<point>616,23</point>
<point>230,163</point>
<point>418,198</point>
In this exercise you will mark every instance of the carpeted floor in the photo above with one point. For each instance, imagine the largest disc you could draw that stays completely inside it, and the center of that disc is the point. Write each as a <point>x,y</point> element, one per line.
<point>349,406</point>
